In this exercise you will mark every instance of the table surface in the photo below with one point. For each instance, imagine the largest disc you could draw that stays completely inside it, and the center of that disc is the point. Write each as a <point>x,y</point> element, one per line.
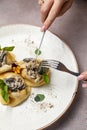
<point>72,28</point>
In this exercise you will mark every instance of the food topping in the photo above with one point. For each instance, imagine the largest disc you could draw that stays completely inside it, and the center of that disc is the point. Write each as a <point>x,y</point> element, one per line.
<point>26,60</point>
<point>37,52</point>
<point>39,97</point>
<point>4,90</point>
<point>32,70</point>
<point>2,58</point>
<point>14,84</point>
<point>43,72</point>
<point>3,52</point>
<point>16,68</point>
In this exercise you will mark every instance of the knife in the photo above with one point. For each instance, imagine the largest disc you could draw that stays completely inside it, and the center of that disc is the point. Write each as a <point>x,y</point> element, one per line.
<point>38,50</point>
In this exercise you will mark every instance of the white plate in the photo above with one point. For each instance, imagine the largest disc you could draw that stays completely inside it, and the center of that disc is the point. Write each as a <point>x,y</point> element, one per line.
<point>59,95</point>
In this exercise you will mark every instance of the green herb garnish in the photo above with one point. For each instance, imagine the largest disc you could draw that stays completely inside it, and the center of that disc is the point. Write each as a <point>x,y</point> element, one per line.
<point>4,90</point>
<point>0,47</point>
<point>46,78</point>
<point>37,52</point>
<point>39,97</point>
<point>10,48</point>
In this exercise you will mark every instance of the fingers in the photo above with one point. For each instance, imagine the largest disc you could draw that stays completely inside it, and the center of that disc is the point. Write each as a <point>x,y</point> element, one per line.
<point>54,11</point>
<point>45,8</point>
<point>83,76</point>
<point>65,7</point>
<point>50,9</point>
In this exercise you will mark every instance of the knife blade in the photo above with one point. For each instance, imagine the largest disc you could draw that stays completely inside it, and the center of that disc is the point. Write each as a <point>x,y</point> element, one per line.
<point>38,50</point>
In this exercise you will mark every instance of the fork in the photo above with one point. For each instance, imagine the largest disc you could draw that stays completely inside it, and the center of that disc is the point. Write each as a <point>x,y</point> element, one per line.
<point>56,65</point>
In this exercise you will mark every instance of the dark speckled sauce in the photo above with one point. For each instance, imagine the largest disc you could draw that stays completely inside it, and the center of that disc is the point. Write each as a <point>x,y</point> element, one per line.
<point>15,84</point>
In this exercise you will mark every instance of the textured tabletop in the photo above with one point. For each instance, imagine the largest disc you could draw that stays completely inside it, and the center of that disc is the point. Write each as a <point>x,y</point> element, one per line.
<point>72,28</point>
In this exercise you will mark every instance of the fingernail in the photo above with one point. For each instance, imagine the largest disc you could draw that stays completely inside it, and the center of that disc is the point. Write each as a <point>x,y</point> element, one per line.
<point>80,77</point>
<point>84,85</point>
<point>43,28</point>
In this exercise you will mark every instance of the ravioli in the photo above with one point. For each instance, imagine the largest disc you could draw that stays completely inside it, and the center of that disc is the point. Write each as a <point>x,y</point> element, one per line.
<point>18,90</point>
<point>18,77</point>
<point>30,72</point>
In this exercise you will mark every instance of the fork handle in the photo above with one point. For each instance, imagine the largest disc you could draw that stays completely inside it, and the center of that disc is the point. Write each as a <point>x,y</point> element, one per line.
<point>74,73</point>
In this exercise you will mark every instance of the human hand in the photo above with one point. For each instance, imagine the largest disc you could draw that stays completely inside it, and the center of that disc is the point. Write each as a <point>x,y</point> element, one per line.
<point>83,76</point>
<point>50,9</point>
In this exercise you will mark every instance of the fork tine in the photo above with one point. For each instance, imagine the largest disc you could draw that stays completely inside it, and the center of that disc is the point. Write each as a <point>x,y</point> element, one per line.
<point>44,64</point>
<point>51,63</point>
<point>49,66</point>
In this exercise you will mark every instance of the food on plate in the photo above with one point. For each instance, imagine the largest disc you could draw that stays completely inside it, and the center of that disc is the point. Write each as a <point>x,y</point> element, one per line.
<point>30,72</point>
<point>17,77</point>
<point>13,89</point>
<point>6,59</point>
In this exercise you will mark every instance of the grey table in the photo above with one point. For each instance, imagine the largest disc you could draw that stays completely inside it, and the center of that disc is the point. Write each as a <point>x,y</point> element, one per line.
<point>72,28</point>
